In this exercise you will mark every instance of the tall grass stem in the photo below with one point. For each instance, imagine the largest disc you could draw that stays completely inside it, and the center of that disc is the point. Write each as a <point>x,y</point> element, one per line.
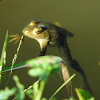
<point>15,57</point>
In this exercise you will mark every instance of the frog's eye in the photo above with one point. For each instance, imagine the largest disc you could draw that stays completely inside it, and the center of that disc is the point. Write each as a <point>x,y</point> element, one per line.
<point>37,31</point>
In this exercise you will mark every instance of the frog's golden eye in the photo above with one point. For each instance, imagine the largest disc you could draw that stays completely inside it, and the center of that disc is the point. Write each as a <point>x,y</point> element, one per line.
<point>37,31</point>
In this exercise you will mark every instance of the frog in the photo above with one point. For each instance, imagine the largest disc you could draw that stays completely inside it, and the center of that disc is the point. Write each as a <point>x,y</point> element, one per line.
<point>49,34</point>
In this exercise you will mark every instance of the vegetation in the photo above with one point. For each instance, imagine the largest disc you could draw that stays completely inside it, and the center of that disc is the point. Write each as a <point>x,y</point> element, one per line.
<point>41,67</point>
<point>3,55</point>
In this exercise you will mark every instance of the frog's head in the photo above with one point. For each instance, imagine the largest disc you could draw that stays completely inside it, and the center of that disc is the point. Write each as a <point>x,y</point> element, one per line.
<point>38,31</point>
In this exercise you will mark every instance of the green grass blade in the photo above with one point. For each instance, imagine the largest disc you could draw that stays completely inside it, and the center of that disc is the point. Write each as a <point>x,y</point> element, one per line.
<point>62,86</point>
<point>32,62</point>
<point>3,55</point>
<point>16,66</point>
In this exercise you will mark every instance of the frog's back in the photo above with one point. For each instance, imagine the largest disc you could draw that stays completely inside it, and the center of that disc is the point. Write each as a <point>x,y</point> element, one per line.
<point>58,29</point>
<point>57,33</point>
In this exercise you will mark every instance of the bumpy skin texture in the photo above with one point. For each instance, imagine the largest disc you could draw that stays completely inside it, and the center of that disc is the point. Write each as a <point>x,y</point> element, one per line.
<point>50,34</point>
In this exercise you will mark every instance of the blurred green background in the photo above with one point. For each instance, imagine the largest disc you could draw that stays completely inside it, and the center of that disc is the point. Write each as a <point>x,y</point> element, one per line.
<point>82,18</point>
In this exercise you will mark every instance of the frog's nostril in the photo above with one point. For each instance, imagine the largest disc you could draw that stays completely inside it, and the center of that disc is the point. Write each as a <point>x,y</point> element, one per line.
<point>43,28</point>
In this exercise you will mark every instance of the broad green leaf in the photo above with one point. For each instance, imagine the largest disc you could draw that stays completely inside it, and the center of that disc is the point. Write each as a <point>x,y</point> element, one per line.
<point>35,72</point>
<point>5,94</point>
<point>44,66</point>
<point>20,89</point>
<point>44,99</point>
<point>83,95</point>
<point>41,66</point>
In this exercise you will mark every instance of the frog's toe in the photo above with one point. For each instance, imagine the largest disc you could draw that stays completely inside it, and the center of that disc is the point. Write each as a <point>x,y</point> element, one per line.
<point>15,38</point>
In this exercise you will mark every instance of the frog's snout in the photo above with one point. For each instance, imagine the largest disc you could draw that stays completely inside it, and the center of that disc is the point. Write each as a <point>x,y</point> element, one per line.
<point>43,28</point>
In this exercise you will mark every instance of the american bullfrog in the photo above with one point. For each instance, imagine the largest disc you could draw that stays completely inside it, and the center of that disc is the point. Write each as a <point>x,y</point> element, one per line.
<point>48,34</point>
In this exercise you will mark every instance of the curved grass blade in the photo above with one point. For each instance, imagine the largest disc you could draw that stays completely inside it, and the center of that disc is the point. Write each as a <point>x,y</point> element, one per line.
<point>3,55</point>
<point>62,86</point>
<point>33,62</point>
<point>15,67</point>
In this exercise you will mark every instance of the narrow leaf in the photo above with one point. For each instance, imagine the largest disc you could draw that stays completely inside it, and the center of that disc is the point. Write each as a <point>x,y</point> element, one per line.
<point>33,62</point>
<point>3,55</point>
<point>62,86</point>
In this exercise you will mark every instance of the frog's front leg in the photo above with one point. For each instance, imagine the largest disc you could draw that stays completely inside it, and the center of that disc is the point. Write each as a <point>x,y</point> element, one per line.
<point>43,45</point>
<point>15,38</point>
<point>43,51</point>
